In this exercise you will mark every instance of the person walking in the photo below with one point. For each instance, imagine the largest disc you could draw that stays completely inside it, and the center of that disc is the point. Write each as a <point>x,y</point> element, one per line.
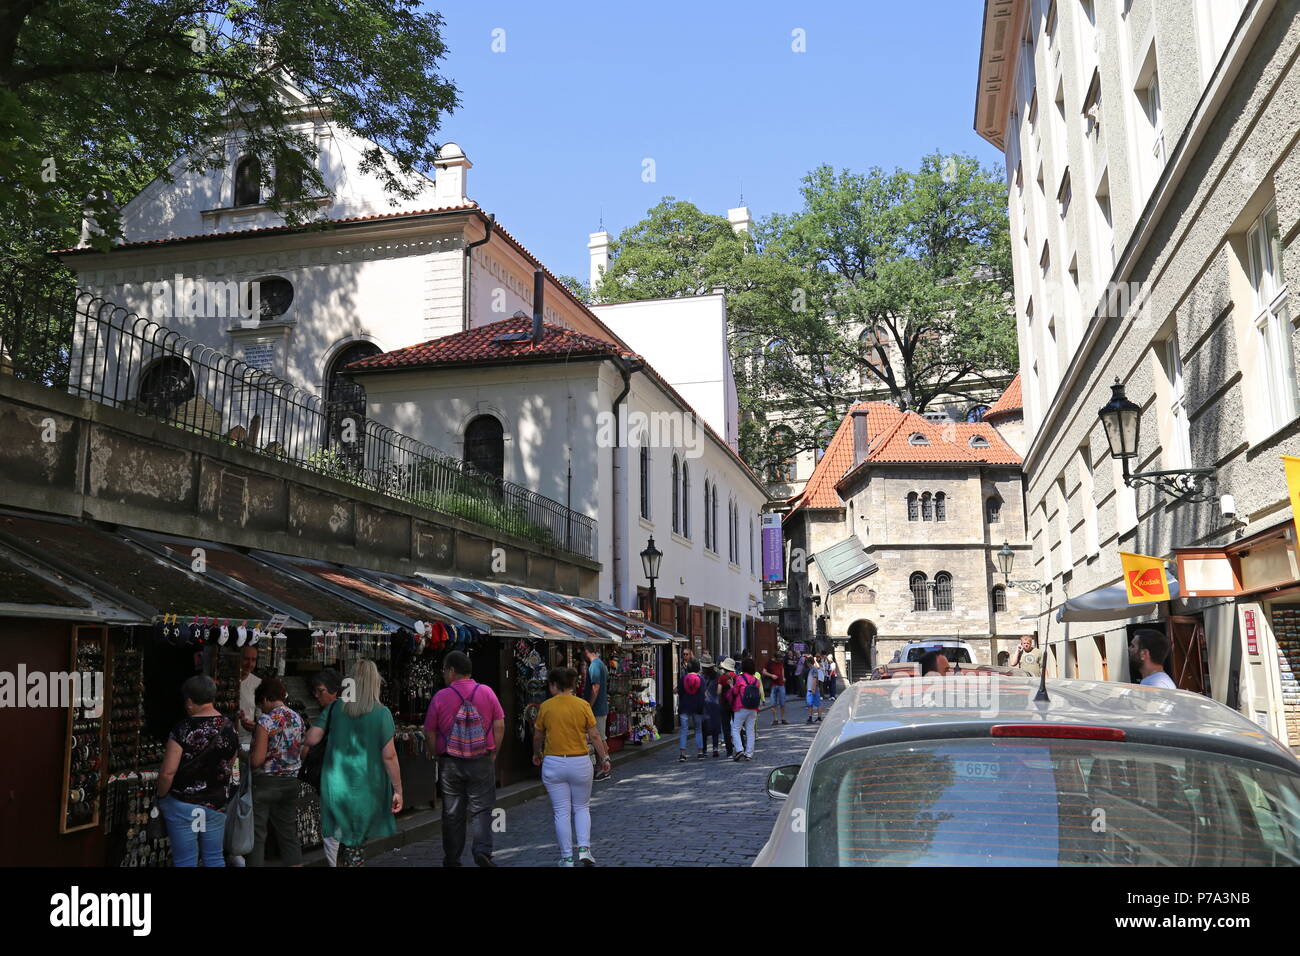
<point>361,785</point>
<point>276,757</point>
<point>775,670</point>
<point>466,723</point>
<point>813,698</point>
<point>326,685</point>
<point>712,705</point>
<point>597,693</point>
<point>801,673</point>
<point>726,679</point>
<point>564,727</point>
<point>830,676</point>
<point>690,696</point>
<point>747,697</point>
<point>194,780</point>
<point>1148,652</point>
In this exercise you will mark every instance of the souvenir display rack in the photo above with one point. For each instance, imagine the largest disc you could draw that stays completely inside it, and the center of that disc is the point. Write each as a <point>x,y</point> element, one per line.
<point>126,712</point>
<point>83,750</point>
<point>1286,631</point>
<point>127,800</point>
<point>642,695</point>
<point>619,723</point>
<point>530,685</point>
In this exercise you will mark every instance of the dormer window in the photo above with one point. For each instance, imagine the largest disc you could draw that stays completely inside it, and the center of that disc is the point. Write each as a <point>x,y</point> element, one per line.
<point>979,441</point>
<point>918,439</point>
<point>248,182</point>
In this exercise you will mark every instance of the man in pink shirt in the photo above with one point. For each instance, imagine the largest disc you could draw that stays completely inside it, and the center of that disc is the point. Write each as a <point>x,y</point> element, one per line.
<point>468,784</point>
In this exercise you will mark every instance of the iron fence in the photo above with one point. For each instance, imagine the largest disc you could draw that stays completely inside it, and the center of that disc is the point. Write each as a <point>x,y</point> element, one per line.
<point>63,337</point>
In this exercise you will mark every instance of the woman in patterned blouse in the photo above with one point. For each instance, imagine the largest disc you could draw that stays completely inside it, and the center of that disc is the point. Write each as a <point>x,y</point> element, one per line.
<point>276,759</point>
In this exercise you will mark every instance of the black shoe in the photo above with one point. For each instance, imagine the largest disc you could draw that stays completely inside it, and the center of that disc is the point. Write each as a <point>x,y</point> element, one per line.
<point>700,755</point>
<point>482,859</point>
<point>810,720</point>
<point>681,757</point>
<point>738,757</point>
<point>602,775</point>
<point>715,753</point>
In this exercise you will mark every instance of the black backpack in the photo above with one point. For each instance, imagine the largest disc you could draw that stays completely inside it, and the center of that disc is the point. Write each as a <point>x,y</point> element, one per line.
<point>751,698</point>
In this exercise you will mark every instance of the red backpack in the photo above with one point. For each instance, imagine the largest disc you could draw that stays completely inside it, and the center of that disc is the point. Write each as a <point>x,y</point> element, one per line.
<point>691,684</point>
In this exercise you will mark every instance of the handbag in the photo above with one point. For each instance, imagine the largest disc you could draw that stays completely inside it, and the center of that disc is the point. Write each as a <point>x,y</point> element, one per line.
<point>314,763</point>
<point>239,817</point>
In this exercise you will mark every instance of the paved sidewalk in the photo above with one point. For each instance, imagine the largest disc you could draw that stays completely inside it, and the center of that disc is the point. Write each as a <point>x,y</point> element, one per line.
<point>658,811</point>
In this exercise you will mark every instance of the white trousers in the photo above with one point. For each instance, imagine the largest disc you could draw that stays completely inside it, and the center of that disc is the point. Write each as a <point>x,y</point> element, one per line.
<point>568,781</point>
<point>746,720</point>
<point>331,851</point>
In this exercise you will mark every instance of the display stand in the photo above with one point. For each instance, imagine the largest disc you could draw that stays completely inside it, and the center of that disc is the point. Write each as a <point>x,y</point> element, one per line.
<point>83,748</point>
<point>643,704</point>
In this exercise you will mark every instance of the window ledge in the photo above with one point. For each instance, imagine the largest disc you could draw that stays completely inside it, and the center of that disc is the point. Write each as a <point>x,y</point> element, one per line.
<point>682,540</point>
<point>219,211</point>
<point>646,523</point>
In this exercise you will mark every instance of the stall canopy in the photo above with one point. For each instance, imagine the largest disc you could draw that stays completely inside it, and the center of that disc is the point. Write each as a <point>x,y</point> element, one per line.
<point>1109,604</point>
<point>28,589</point>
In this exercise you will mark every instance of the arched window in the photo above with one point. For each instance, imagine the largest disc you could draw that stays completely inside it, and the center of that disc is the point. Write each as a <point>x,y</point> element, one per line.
<point>751,544</point>
<point>940,507</point>
<point>713,516</point>
<point>731,532</point>
<point>916,438</point>
<point>708,532</point>
<point>165,386</point>
<point>248,182</point>
<point>645,482</point>
<point>943,591</point>
<point>345,401</point>
<point>976,413</point>
<point>686,499</point>
<point>735,531</point>
<point>920,592</point>
<point>913,506</point>
<point>978,441</point>
<point>993,509</point>
<point>274,296</point>
<point>485,446</point>
<point>677,521</point>
<point>999,599</point>
<point>927,507</point>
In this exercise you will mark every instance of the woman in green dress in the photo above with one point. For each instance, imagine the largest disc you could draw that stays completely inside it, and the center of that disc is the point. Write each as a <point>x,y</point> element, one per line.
<point>361,786</point>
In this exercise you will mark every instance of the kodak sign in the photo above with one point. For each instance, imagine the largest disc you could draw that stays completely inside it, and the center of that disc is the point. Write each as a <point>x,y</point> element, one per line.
<point>1144,578</point>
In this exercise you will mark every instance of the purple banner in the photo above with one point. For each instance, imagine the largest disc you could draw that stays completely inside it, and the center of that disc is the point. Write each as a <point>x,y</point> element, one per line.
<point>773,549</point>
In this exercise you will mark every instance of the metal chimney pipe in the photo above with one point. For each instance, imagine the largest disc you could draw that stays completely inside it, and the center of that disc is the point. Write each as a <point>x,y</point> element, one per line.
<point>539,285</point>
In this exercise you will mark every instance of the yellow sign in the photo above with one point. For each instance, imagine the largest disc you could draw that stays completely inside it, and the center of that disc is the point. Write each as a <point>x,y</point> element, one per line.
<point>1292,466</point>
<point>1144,578</point>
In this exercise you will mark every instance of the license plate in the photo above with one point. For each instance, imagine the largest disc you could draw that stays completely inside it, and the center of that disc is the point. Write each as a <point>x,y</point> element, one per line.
<point>977,769</point>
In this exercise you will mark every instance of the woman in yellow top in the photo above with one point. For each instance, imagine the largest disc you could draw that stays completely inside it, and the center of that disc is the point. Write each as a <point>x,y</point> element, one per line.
<point>564,725</point>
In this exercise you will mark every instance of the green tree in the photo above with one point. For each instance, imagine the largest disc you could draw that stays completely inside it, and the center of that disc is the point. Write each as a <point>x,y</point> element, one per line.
<point>99,97</point>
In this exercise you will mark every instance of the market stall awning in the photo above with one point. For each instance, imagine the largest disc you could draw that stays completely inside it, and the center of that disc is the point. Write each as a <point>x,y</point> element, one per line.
<point>29,589</point>
<point>1109,604</point>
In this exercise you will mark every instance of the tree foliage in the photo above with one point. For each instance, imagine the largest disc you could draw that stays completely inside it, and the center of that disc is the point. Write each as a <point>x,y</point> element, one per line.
<point>99,97</point>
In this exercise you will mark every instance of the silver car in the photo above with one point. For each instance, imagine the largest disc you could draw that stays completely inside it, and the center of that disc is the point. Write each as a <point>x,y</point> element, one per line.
<point>972,771</point>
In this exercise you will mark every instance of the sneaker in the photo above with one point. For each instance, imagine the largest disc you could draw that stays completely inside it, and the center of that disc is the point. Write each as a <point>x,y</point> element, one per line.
<point>738,757</point>
<point>681,757</point>
<point>602,775</point>
<point>810,720</point>
<point>715,753</point>
<point>566,861</point>
<point>700,755</point>
<point>482,859</point>
<point>585,857</point>
<point>819,720</point>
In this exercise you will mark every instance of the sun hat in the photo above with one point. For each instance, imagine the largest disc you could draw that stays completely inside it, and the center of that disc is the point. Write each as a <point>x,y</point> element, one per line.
<point>706,660</point>
<point>729,665</point>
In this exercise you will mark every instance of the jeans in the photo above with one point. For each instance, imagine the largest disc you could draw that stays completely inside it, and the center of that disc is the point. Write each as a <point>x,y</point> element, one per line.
<point>746,720</point>
<point>778,695</point>
<point>469,792</point>
<point>568,781</point>
<point>275,802</point>
<point>694,722</point>
<point>726,729</point>
<point>194,830</point>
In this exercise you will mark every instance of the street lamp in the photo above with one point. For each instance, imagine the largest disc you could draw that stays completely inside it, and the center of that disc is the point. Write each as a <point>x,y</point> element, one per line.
<point>1121,418</point>
<point>650,559</point>
<point>1006,560</point>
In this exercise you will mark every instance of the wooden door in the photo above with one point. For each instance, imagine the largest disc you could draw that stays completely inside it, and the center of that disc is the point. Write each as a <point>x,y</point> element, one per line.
<point>1188,662</point>
<point>667,613</point>
<point>697,629</point>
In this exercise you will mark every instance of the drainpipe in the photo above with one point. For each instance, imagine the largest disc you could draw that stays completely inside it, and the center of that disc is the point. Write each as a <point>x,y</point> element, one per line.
<point>626,367</point>
<point>465,272</point>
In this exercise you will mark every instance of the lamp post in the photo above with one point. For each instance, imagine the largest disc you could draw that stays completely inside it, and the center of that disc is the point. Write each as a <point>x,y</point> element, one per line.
<point>1121,420</point>
<point>1006,560</point>
<point>650,559</point>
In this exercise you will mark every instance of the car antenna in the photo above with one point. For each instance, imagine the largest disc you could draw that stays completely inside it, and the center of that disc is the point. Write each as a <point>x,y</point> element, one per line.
<point>1041,697</point>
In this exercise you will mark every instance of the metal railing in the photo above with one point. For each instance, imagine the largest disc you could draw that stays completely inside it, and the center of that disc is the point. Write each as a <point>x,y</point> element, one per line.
<point>63,337</point>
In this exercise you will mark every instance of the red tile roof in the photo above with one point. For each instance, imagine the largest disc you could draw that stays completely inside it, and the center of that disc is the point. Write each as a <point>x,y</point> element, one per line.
<point>1009,404</point>
<point>889,434</point>
<point>480,346</point>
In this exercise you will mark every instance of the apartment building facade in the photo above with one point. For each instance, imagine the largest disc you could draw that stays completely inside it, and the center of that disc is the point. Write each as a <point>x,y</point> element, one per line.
<point>1152,186</point>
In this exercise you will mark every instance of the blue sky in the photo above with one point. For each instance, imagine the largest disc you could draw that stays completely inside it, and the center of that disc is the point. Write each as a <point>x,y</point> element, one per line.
<point>559,124</point>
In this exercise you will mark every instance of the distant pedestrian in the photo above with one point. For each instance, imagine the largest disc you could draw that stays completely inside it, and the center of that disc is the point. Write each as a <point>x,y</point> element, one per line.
<point>361,785</point>
<point>747,696</point>
<point>1027,657</point>
<point>801,672</point>
<point>712,704</point>
<point>790,665</point>
<point>690,696</point>
<point>934,662</point>
<point>276,759</point>
<point>726,681</point>
<point>597,694</point>
<point>326,686</point>
<point>565,725</point>
<point>194,780</point>
<point>1148,651</point>
<point>775,670</point>
<point>467,725</point>
<point>813,697</point>
<point>1004,658</point>
<point>830,677</point>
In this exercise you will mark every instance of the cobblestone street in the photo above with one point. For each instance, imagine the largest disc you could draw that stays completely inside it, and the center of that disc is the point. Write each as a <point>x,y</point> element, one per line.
<point>656,811</point>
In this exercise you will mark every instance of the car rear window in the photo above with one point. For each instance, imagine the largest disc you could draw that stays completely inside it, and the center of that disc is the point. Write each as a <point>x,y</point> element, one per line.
<point>955,655</point>
<point>980,801</point>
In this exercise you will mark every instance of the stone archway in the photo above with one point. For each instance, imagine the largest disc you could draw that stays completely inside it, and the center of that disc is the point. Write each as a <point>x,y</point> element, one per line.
<point>862,645</point>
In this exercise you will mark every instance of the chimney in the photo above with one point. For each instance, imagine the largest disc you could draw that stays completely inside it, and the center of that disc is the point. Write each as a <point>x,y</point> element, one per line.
<point>860,437</point>
<point>740,220</point>
<point>539,286</point>
<point>449,185</point>
<point>598,246</point>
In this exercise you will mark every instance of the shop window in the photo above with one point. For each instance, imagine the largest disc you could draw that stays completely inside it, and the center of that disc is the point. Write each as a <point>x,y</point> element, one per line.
<point>920,591</point>
<point>943,591</point>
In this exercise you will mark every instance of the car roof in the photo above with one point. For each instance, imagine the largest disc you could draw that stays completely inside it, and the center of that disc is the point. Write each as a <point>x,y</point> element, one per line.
<point>939,642</point>
<point>884,706</point>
